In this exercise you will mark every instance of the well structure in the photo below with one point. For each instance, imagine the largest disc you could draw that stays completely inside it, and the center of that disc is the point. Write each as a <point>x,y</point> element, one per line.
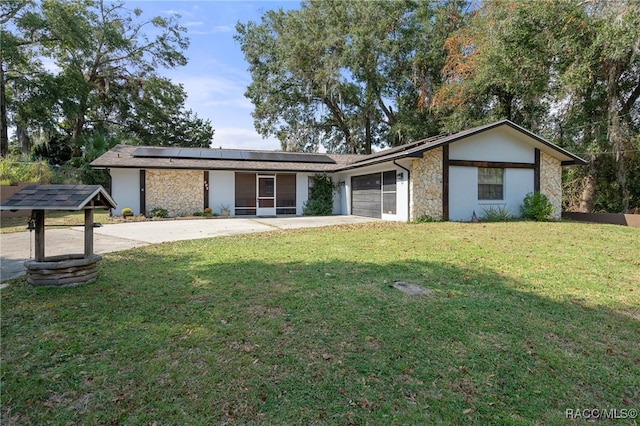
<point>70,269</point>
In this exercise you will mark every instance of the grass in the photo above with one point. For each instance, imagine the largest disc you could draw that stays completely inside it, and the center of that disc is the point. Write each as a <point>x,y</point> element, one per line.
<point>526,320</point>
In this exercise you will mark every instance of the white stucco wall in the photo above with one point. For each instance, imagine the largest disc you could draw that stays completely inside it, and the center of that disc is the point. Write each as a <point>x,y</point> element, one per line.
<point>463,192</point>
<point>222,187</point>
<point>125,190</point>
<point>341,196</point>
<point>302,190</point>
<point>493,145</point>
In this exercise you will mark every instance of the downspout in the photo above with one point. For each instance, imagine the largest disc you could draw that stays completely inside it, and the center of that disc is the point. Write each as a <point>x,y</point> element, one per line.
<point>408,190</point>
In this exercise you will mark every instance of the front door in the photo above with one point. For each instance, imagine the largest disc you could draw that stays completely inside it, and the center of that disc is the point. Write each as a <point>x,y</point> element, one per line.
<point>266,196</point>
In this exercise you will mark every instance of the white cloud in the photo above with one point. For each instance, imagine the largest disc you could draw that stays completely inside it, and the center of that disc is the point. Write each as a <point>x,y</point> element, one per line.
<point>189,24</point>
<point>205,89</point>
<point>242,138</point>
<point>183,13</point>
<point>214,30</point>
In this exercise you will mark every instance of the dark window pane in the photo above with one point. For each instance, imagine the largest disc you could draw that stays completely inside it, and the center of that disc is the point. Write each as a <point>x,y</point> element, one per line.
<point>389,203</point>
<point>266,187</point>
<point>265,202</point>
<point>490,183</point>
<point>245,212</point>
<point>389,181</point>
<point>245,190</point>
<point>286,191</point>
<point>286,211</point>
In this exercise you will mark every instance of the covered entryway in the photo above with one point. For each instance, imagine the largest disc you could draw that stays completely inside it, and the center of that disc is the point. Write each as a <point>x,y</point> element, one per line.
<point>266,196</point>
<point>366,195</point>
<point>262,194</point>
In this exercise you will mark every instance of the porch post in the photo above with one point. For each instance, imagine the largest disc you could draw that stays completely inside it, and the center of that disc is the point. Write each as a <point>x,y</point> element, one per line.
<point>39,239</point>
<point>445,182</point>
<point>88,231</point>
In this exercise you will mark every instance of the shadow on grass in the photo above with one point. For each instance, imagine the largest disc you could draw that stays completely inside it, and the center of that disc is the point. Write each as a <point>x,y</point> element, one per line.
<point>172,338</point>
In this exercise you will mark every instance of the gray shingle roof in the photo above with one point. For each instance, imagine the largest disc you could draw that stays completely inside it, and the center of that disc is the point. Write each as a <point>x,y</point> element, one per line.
<point>123,156</point>
<point>58,197</point>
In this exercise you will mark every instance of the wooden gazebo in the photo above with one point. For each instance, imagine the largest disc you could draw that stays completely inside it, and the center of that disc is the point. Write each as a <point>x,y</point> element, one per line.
<point>68,269</point>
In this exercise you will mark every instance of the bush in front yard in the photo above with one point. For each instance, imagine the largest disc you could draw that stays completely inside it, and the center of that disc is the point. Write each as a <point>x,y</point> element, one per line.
<point>159,212</point>
<point>536,206</point>
<point>320,202</point>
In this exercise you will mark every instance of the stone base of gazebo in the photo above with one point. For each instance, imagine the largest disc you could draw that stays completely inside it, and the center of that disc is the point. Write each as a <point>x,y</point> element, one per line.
<point>68,270</point>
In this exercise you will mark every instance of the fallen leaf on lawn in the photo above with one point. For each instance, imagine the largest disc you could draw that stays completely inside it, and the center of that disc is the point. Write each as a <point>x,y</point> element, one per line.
<point>468,411</point>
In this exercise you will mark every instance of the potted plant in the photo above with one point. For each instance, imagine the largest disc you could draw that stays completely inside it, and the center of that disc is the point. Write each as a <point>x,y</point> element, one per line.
<point>225,210</point>
<point>126,212</point>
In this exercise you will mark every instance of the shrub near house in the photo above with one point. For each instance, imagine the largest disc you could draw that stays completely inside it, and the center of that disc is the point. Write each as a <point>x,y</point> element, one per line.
<point>536,206</point>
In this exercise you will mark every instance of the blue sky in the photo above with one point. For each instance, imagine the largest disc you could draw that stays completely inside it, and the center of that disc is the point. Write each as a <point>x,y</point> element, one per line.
<point>216,76</point>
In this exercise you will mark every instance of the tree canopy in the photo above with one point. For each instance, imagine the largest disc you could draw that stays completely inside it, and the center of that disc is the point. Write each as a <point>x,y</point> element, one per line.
<point>346,75</point>
<point>72,70</point>
<point>354,75</point>
<point>568,70</point>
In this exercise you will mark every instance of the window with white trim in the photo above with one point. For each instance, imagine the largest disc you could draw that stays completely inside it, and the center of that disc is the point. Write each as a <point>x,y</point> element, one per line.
<point>490,183</point>
<point>389,192</point>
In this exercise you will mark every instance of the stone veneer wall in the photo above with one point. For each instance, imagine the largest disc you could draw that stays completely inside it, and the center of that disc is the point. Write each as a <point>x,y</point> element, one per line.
<point>426,185</point>
<point>551,182</point>
<point>181,192</point>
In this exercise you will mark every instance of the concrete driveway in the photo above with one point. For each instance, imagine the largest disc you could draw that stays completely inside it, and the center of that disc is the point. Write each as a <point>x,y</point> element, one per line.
<point>17,247</point>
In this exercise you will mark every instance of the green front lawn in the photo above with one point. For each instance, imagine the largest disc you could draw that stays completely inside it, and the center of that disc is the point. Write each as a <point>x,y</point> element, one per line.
<point>526,321</point>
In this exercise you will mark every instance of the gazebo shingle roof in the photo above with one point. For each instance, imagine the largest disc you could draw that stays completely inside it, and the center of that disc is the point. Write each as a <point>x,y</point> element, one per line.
<point>58,197</point>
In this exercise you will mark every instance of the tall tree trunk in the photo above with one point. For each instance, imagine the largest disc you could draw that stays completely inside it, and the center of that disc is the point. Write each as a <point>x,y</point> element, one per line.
<point>4,132</point>
<point>589,184</point>
<point>614,131</point>
<point>24,140</point>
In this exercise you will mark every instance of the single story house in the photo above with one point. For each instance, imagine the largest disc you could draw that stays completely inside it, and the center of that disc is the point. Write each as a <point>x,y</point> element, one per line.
<point>445,177</point>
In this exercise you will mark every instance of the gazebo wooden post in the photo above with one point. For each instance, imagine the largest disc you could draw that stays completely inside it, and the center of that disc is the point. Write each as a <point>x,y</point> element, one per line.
<point>38,216</point>
<point>88,231</point>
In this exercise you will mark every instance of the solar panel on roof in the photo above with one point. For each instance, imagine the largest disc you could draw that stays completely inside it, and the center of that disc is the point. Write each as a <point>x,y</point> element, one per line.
<point>152,152</point>
<point>229,154</point>
<point>211,154</point>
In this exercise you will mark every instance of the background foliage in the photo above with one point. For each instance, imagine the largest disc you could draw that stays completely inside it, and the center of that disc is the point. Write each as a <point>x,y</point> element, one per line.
<point>343,75</point>
<point>320,202</point>
<point>351,76</point>
<point>100,86</point>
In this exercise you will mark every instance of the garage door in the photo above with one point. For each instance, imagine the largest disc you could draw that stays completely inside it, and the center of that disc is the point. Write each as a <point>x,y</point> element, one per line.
<point>366,195</point>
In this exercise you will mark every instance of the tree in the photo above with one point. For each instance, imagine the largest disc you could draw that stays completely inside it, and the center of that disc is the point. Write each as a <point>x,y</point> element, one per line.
<point>565,69</point>
<point>501,64</point>
<point>150,112</point>
<point>8,10</point>
<point>102,75</point>
<point>345,74</point>
<point>600,88</point>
